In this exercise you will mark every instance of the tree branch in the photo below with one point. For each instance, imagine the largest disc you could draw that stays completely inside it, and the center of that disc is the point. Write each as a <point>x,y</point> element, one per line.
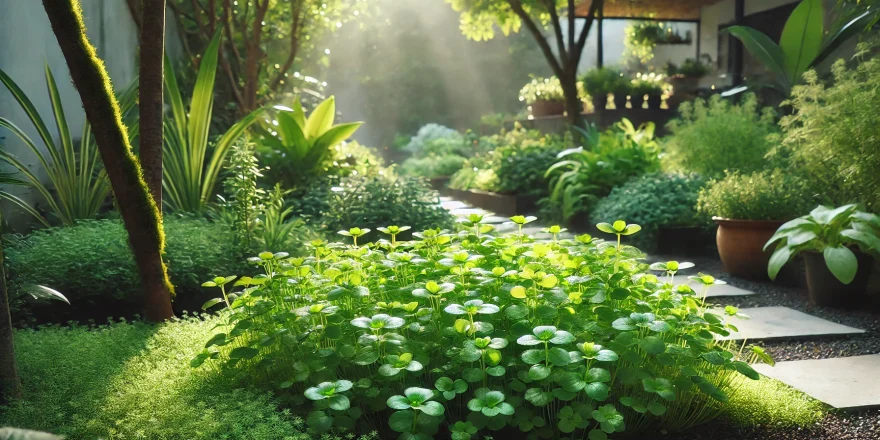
<point>517,8</point>
<point>564,54</point>
<point>571,23</point>
<point>582,39</point>
<point>294,46</point>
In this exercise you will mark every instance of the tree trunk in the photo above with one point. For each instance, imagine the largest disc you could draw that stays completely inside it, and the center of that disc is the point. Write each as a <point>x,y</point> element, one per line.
<point>10,385</point>
<point>150,91</point>
<point>137,207</point>
<point>573,104</point>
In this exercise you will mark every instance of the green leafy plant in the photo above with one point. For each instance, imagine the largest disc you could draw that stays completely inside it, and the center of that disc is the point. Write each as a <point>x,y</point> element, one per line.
<point>91,264</point>
<point>692,68</point>
<point>829,135</point>
<point>582,175</point>
<point>542,89</point>
<point>656,201</point>
<point>432,166</point>
<point>277,230</point>
<point>477,332</point>
<point>297,146</point>
<point>77,184</point>
<point>430,133</point>
<point>806,41</point>
<point>191,168</point>
<point>602,81</point>
<point>768,195</point>
<point>246,199</point>
<point>642,87</point>
<point>831,231</point>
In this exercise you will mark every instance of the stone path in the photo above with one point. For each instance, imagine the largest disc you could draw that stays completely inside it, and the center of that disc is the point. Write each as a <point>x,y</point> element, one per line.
<point>714,291</point>
<point>851,383</point>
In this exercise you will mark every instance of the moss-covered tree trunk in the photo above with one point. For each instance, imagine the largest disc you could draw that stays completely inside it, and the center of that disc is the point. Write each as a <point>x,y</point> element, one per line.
<point>10,385</point>
<point>150,92</point>
<point>139,211</point>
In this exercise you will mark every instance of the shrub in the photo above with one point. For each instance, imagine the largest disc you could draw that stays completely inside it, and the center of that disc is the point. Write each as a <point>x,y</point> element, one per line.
<point>714,136</point>
<point>582,175</point>
<point>432,165</point>
<point>566,337</point>
<point>832,136</point>
<point>768,195</point>
<point>92,265</point>
<point>428,133</point>
<point>515,165</point>
<point>656,201</point>
<point>372,202</point>
<point>602,81</point>
<point>128,380</point>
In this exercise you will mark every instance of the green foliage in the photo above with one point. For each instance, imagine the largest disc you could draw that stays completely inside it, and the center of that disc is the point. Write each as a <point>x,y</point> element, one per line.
<point>602,81</point>
<point>691,68</point>
<point>806,41</point>
<point>296,147</point>
<point>833,232</point>
<point>78,185</point>
<point>542,89</point>
<point>645,86</point>
<point>246,199</point>
<point>768,195</point>
<point>92,265</point>
<point>127,380</point>
<point>514,164</point>
<point>715,136</point>
<point>432,165</point>
<point>582,175</point>
<point>833,139</point>
<point>191,168</point>
<point>434,138</point>
<point>656,201</point>
<point>334,204</point>
<point>562,337</point>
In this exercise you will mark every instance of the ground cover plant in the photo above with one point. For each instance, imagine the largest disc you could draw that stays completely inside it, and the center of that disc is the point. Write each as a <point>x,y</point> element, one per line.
<point>460,334</point>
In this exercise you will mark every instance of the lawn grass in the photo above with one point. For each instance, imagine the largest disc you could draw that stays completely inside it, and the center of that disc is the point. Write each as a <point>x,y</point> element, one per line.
<point>770,403</point>
<point>133,381</point>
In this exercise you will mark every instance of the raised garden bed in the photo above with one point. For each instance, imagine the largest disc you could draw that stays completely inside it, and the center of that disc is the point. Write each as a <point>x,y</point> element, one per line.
<point>501,204</point>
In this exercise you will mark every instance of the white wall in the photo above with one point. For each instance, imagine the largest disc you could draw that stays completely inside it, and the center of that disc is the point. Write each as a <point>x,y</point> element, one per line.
<point>28,45</point>
<point>614,33</point>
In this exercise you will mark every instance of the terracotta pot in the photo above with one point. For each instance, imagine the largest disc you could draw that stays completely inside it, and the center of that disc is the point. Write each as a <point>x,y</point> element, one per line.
<point>741,243</point>
<point>654,102</point>
<point>620,101</point>
<point>826,290</point>
<point>542,108</point>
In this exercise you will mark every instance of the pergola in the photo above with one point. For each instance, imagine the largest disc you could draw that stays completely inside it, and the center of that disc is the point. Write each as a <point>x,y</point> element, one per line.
<point>661,10</point>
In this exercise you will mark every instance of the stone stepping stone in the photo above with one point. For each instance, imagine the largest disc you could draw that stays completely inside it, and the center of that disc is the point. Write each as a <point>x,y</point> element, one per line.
<point>782,322</point>
<point>714,291</point>
<point>495,220</point>
<point>848,383</point>
<point>453,204</point>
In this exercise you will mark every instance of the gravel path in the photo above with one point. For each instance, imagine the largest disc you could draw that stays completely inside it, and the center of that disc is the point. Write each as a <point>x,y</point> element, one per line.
<point>835,426</point>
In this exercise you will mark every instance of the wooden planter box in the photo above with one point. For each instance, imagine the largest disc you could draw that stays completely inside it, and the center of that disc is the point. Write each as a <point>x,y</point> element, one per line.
<point>501,204</point>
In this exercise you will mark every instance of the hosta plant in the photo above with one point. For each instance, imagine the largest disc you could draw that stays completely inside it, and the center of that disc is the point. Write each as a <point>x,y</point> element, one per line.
<point>459,334</point>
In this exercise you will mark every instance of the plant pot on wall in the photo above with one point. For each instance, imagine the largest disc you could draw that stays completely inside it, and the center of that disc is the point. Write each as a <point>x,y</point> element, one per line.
<point>541,108</point>
<point>741,244</point>
<point>826,290</point>
<point>654,101</point>
<point>600,102</point>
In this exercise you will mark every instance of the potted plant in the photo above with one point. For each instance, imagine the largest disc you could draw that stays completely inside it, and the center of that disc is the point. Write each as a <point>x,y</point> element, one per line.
<point>642,89</point>
<point>598,83</point>
<point>748,209</point>
<point>621,88</point>
<point>544,96</point>
<point>838,245</point>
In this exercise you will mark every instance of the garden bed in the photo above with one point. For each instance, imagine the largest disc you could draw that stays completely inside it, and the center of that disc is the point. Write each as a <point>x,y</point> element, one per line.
<point>502,204</point>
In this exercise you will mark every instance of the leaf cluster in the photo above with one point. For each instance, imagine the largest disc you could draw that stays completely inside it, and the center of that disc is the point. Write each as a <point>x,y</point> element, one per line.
<point>768,195</point>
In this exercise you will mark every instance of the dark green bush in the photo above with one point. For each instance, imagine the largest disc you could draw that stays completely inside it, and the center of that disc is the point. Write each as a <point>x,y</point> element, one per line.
<point>383,200</point>
<point>127,381</point>
<point>92,265</point>
<point>654,201</point>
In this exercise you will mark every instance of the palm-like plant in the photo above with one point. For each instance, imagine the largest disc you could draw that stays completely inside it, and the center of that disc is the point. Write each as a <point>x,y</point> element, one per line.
<point>77,185</point>
<point>189,181</point>
<point>804,44</point>
<point>296,146</point>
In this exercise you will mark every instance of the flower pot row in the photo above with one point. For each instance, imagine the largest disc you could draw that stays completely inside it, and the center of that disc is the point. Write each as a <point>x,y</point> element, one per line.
<point>542,108</point>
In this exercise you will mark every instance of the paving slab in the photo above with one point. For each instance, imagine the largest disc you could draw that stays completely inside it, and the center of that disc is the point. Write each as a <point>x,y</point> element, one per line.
<point>714,291</point>
<point>782,322</point>
<point>848,383</point>
<point>453,204</point>
<point>464,212</point>
<point>495,220</point>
